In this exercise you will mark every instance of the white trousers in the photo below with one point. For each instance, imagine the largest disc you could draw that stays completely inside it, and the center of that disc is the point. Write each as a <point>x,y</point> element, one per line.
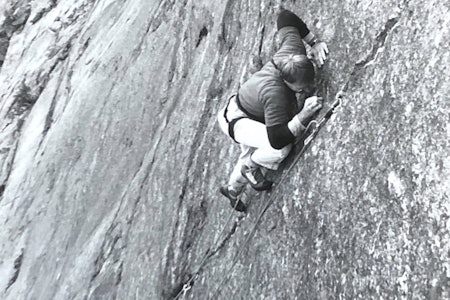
<point>254,142</point>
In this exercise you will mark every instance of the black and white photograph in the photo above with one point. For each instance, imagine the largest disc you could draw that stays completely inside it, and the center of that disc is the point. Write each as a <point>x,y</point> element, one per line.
<point>216,150</point>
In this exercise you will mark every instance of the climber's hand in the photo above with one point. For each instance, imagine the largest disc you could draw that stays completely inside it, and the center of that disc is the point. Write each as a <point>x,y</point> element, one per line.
<point>312,105</point>
<point>319,53</point>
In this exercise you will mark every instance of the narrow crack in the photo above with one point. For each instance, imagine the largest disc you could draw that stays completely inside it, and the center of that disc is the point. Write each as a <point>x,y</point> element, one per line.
<point>113,235</point>
<point>202,34</point>
<point>17,266</point>
<point>197,213</point>
<point>24,100</point>
<point>261,38</point>
<point>191,229</point>
<point>14,21</point>
<point>8,163</point>
<point>380,40</point>
<point>229,235</point>
<point>225,44</point>
<point>189,278</point>
<point>107,249</point>
<point>49,118</point>
<point>378,45</point>
<point>2,190</point>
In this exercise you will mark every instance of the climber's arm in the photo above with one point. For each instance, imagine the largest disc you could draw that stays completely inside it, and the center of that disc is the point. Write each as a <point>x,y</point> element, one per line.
<point>292,30</point>
<point>287,18</point>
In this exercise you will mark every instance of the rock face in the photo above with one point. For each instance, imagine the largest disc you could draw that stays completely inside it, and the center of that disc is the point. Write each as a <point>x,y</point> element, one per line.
<point>111,157</point>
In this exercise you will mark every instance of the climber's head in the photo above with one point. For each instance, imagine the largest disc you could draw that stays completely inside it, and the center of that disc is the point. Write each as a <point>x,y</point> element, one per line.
<point>298,73</point>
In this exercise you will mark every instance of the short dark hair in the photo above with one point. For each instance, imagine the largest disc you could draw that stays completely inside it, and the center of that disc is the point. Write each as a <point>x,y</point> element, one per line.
<point>295,67</point>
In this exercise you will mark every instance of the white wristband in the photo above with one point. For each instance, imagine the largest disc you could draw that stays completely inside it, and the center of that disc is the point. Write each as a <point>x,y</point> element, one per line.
<point>310,38</point>
<point>295,126</point>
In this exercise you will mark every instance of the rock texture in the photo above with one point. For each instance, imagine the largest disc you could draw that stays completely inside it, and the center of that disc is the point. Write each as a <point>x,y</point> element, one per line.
<point>111,157</point>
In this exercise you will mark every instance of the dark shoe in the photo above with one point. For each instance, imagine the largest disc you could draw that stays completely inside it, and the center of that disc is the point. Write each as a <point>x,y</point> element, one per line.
<point>233,197</point>
<point>256,179</point>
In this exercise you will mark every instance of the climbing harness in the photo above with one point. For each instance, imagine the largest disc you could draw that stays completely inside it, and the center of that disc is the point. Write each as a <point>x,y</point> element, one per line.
<point>314,126</point>
<point>231,123</point>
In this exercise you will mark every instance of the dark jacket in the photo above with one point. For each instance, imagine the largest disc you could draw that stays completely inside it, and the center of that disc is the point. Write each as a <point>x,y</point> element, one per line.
<point>265,97</point>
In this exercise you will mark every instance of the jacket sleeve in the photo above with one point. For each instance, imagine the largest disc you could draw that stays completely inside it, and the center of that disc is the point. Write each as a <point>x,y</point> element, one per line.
<point>280,136</point>
<point>288,18</point>
<point>277,115</point>
<point>289,42</point>
<point>291,31</point>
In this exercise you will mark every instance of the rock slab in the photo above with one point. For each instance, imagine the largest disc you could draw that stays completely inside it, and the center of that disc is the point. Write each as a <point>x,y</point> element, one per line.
<point>110,156</point>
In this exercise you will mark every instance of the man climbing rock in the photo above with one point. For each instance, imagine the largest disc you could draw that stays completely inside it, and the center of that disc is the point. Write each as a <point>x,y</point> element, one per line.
<point>264,117</point>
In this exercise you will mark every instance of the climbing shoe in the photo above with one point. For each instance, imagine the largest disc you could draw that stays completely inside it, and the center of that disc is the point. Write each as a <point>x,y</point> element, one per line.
<point>233,197</point>
<point>256,178</point>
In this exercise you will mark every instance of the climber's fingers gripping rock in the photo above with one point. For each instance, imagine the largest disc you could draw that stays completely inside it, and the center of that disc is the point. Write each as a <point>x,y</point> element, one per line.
<point>312,105</point>
<point>319,53</point>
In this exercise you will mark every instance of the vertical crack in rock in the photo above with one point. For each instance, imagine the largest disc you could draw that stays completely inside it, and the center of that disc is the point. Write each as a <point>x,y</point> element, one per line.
<point>173,63</point>
<point>11,152</point>
<point>380,40</point>
<point>187,277</point>
<point>203,33</point>
<point>197,213</point>
<point>227,237</point>
<point>23,101</point>
<point>261,38</point>
<point>110,256</point>
<point>15,20</point>
<point>378,45</point>
<point>17,266</point>
<point>119,274</point>
<point>196,217</point>
<point>256,62</point>
<point>49,118</point>
<point>2,190</point>
<point>225,40</point>
<point>107,249</point>
<point>111,249</point>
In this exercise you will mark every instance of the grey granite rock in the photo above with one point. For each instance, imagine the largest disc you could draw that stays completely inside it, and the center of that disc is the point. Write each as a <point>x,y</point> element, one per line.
<point>111,157</point>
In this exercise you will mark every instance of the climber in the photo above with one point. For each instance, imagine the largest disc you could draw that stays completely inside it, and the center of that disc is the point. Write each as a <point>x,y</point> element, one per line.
<point>264,117</point>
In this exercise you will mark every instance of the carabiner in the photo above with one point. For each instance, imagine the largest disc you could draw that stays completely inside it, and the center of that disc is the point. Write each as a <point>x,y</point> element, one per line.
<point>186,288</point>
